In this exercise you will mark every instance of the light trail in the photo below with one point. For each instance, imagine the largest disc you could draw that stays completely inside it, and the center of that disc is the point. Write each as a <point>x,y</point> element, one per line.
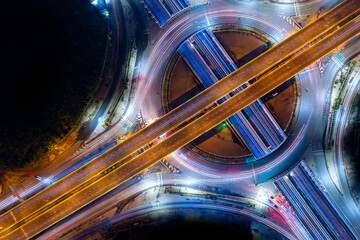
<point>132,167</point>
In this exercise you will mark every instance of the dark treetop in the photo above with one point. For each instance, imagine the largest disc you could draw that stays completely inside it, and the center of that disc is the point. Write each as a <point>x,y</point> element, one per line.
<point>50,61</point>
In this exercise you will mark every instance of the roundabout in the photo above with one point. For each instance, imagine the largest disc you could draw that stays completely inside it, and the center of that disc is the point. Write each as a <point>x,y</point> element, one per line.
<point>156,67</point>
<point>221,144</point>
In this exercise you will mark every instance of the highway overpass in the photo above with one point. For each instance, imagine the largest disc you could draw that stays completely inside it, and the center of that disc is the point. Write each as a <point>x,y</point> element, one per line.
<point>313,206</point>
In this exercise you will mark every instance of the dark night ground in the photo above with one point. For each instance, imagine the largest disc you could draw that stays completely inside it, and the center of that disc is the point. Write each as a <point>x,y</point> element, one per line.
<point>182,224</point>
<point>51,57</point>
<point>191,230</point>
<point>352,140</point>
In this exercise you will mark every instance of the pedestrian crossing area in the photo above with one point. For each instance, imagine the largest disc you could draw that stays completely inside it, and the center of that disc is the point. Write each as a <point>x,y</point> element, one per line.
<point>126,124</point>
<point>297,9</point>
<point>339,59</point>
<point>139,117</point>
<point>292,22</point>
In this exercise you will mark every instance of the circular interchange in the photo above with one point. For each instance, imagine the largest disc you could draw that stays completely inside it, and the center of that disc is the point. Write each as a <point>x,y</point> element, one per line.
<point>220,144</point>
<point>304,121</point>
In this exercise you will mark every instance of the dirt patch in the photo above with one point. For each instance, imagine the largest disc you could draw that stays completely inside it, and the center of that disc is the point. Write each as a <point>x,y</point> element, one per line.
<point>220,141</point>
<point>283,104</point>
<point>239,43</point>
<point>183,84</point>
